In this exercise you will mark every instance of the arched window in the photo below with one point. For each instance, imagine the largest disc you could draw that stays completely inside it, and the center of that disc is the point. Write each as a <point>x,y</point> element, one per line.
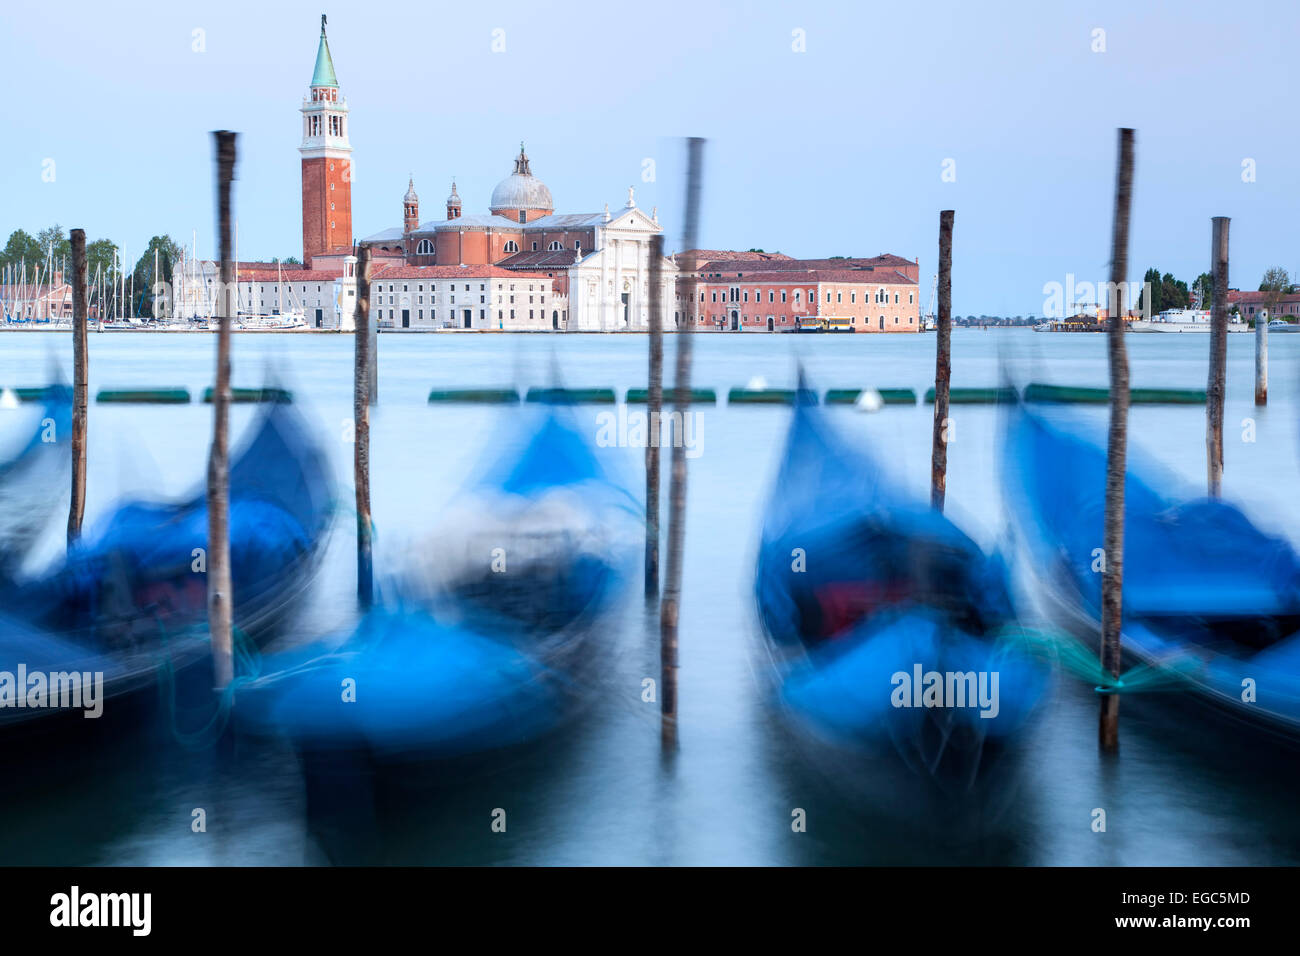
<point>555,246</point>
<point>512,246</point>
<point>424,248</point>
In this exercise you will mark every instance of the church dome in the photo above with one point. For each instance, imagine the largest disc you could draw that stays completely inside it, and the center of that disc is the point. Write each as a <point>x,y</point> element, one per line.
<point>410,192</point>
<point>521,190</point>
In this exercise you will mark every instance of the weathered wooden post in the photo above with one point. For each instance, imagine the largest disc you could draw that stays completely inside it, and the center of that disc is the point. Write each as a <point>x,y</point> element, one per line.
<point>362,396</point>
<point>1261,358</point>
<point>654,408</point>
<point>1214,390</point>
<point>220,612</point>
<point>670,608</point>
<point>1112,580</point>
<point>372,370</point>
<point>80,390</point>
<point>942,366</point>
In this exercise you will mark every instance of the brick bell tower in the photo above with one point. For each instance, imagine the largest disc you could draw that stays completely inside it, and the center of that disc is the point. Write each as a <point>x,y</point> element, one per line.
<point>326,162</point>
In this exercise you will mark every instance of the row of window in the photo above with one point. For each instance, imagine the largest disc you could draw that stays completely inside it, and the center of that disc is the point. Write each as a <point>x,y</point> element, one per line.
<point>482,287</point>
<point>738,295</point>
<point>747,319</point>
<point>336,125</point>
<point>425,247</point>
<point>482,314</point>
<point>433,299</point>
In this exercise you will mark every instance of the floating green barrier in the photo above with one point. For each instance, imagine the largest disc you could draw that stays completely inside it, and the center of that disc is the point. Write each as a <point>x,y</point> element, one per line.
<point>571,396</point>
<point>477,396</point>
<point>31,393</point>
<point>144,396</point>
<point>1078,394</point>
<point>889,396</point>
<point>246,395</point>
<point>977,396</point>
<point>640,396</point>
<point>770,396</point>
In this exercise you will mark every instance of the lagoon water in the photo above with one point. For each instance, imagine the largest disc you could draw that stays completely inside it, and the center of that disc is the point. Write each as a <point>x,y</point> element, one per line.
<point>1185,789</point>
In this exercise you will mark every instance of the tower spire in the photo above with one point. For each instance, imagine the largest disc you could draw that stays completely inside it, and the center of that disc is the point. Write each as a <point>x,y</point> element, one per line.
<point>324,72</point>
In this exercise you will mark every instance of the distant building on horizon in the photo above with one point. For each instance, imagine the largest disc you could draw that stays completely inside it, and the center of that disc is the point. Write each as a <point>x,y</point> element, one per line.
<point>523,266</point>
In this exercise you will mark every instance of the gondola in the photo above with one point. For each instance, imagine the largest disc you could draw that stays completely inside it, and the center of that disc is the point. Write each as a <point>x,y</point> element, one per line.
<point>31,479</point>
<point>1211,603</point>
<point>490,638</point>
<point>131,593</point>
<point>891,636</point>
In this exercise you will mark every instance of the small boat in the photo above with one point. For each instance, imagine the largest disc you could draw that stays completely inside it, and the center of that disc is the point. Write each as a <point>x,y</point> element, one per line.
<point>1282,325</point>
<point>490,639</point>
<point>870,601</point>
<point>30,480</point>
<point>1211,602</point>
<point>132,592</point>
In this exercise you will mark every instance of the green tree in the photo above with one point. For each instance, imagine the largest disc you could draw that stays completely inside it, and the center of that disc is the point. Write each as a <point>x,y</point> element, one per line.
<point>21,247</point>
<point>1151,281</point>
<point>99,258</point>
<point>1173,292</point>
<point>1206,282</point>
<point>1275,284</point>
<point>56,240</point>
<point>291,261</point>
<point>144,278</point>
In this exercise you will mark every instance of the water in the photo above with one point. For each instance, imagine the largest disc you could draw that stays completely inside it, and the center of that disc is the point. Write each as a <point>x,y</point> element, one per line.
<point>1184,790</point>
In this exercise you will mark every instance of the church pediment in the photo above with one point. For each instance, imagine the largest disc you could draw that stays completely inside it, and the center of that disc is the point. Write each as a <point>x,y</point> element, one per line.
<point>633,220</point>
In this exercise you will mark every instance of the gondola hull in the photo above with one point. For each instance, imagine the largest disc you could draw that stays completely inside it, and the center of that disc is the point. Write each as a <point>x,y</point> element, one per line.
<point>131,595</point>
<point>490,639</point>
<point>866,600</point>
<point>1211,603</point>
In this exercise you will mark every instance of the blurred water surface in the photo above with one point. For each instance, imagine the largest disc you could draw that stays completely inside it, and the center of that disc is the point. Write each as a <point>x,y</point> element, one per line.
<point>1186,789</point>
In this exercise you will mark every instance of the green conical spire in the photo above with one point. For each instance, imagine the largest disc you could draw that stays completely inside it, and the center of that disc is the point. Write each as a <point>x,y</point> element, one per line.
<point>324,74</point>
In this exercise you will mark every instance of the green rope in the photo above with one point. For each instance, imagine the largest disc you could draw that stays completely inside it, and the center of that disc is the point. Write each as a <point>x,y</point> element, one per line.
<point>1071,656</point>
<point>247,664</point>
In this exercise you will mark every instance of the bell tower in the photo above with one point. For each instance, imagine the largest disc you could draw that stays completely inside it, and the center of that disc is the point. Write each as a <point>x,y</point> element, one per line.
<point>326,162</point>
<point>410,209</point>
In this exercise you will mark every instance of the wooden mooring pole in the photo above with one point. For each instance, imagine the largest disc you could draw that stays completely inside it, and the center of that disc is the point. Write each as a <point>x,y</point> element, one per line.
<point>670,607</point>
<point>80,389</point>
<point>942,366</point>
<point>220,612</point>
<point>362,396</point>
<point>1215,388</point>
<point>654,408</point>
<point>1112,580</point>
<point>1261,358</point>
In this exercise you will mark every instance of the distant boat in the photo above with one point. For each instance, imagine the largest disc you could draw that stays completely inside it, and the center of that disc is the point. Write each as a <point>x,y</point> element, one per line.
<point>1282,325</point>
<point>1184,320</point>
<point>1211,602</point>
<point>857,584</point>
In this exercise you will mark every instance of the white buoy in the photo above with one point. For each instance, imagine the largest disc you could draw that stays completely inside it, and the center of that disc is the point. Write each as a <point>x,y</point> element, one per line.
<point>869,400</point>
<point>757,384</point>
<point>8,398</point>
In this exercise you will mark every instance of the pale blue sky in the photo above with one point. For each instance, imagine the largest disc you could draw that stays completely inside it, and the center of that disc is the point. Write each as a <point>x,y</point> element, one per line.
<point>834,151</point>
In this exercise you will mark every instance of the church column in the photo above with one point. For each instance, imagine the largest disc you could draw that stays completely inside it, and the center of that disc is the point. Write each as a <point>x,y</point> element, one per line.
<point>642,253</point>
<point>618,282</point>
<point>603,298</point>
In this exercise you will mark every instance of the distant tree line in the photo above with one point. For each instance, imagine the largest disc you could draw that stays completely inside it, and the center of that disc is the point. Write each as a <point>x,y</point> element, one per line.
<point>33,252</point>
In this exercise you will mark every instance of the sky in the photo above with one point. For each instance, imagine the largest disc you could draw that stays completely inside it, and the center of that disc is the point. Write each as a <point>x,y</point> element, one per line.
<point>833,128</point>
